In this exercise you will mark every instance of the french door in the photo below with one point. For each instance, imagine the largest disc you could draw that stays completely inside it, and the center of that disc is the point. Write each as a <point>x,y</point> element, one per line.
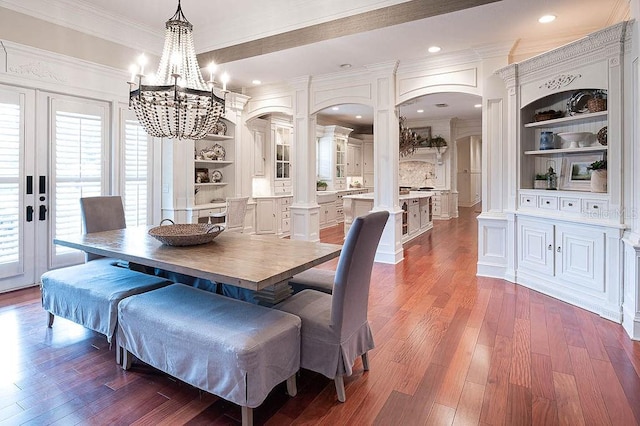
<point>53,150</point>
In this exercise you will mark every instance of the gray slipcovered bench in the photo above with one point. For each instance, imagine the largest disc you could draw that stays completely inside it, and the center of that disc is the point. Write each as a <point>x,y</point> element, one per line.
<point>232,349</point>
<point>88,294</point>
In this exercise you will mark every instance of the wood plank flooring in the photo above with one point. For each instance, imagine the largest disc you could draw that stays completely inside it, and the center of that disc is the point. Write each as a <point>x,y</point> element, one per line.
<point>452,349</point>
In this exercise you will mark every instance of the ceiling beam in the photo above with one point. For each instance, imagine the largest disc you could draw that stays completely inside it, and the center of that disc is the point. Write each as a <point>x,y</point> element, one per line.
<point>392,15</point>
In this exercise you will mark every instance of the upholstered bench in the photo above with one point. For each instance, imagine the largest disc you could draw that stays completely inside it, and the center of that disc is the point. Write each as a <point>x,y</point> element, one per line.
<point>89,293</point>
<point>232,349</point>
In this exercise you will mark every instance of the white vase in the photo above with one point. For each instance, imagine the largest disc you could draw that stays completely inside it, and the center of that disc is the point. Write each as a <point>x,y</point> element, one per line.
<point>599,181</point>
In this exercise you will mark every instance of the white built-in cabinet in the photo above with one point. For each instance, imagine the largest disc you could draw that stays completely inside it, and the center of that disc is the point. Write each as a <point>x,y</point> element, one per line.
<point>367,164</point>
<point>282,137</point>
<point>198,176</point>
<point>354,157</point>
<point>272,153</point>
<point>273,215</point>
<point>332,156</point>
<point>568,240</point>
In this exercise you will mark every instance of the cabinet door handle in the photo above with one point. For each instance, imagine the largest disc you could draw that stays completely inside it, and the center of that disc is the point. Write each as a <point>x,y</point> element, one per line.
<point>528,200</point>
<point>570,204</point>
<point>550,247</point>
<point>595,207</point>
<point>547,202</point>
<point>559,249</point>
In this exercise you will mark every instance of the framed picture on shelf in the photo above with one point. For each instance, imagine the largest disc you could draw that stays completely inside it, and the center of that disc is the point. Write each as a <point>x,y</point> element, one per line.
<point>576,175</point>
<point>202,176</point>
<point>424,135</point>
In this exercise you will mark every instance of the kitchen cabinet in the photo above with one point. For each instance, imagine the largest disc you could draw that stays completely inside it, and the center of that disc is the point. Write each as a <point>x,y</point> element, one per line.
<point>426,213</point>
<point>260,138</point>
<point>416,212</point>
<point>367,164</point>
<point>332,157</point>
<point>282,136</point>
<point>273,215</point>
<point>354,158</point>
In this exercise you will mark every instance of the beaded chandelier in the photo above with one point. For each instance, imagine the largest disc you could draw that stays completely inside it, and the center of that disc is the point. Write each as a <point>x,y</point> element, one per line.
<point>409,139</point>
<point>177,102</point>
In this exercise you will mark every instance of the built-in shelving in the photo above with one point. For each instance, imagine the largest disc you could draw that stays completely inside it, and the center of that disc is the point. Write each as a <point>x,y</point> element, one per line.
<point>564,120</point>
<point>583,150</point>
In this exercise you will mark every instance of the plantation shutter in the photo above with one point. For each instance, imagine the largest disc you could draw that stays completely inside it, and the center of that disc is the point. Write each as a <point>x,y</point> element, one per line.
<point>136,159</point>
<point>10,149</point>
<point>78,167</point>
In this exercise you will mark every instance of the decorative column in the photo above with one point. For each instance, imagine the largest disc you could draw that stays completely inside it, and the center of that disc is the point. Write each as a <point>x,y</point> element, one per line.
<point>496,246</point>
<point>386,159</point>
<point>631,180</point>
<point>305,219</point>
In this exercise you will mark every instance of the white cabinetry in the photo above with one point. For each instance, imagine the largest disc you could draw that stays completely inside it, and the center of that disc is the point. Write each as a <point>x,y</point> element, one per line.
<point>367,164</point>
<point>282,136</point>
<point>213,168</point>
<point>354,157</point>
<point>260,139</point>
<point>567,260</point>
<point>272,215</point>
<point>332,156</point>
<point>568,241</point>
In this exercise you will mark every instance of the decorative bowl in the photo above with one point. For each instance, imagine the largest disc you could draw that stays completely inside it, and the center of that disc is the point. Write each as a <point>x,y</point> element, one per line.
<point>584,138</point>
<point>187,234</point>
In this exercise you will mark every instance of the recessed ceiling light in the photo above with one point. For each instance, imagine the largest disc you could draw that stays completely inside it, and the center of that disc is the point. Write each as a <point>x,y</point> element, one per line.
<point>358,116</point>
<point>442,105</point>
<point>335,108</point>
<point>256,82</point>
<point>477,106</point>
<point>420,111</point>
<point>546,19</point>
<point>345,66</point>
<point>434,49</point>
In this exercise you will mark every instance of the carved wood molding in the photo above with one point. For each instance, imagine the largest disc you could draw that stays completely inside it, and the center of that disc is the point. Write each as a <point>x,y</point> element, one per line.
<point>37,69</point>
<point>560,81</point>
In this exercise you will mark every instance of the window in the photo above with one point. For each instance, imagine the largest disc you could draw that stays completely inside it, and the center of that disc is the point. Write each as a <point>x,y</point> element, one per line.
<point>136,159</point>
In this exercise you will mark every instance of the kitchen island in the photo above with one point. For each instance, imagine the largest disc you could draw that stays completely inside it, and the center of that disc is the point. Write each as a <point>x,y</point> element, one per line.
<point>417,211</point>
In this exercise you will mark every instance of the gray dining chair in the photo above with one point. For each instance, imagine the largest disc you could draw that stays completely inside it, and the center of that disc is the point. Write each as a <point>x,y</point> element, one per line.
<point>234,214</point>
<point>88,294</point>
<point>335,329</point>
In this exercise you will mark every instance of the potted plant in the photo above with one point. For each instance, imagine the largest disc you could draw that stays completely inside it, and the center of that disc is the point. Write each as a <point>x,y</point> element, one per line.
<point>540,181</point>
<point>598,176</point>
<point>437,142</point>
<point>321,185</point>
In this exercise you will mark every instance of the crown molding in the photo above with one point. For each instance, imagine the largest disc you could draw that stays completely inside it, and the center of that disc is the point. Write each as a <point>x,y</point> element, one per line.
<point>608,40</point>
<point>80,16</point>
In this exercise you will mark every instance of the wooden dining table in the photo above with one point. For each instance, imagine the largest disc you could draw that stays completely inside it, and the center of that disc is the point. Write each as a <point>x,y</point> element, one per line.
<point>255,262</point>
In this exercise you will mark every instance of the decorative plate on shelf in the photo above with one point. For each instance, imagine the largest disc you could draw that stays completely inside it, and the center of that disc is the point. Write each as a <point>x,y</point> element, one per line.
<point>216,176</point>
<point>221,128</point>
<point>218,152</point>
<point>602,136</point>
<point>578,102</point>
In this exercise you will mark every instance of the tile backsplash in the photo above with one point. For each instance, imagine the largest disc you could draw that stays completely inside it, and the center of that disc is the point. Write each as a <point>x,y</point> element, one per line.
<point>417,173</point>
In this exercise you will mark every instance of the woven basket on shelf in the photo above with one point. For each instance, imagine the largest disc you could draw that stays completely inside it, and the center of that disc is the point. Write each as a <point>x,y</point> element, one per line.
<point>188,234</point>
<point>597,104</point>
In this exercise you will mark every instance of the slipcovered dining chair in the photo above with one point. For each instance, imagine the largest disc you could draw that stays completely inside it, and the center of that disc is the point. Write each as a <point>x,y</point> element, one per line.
<point>335,330</point>
<point>88,294</point>
<point>234,214</point>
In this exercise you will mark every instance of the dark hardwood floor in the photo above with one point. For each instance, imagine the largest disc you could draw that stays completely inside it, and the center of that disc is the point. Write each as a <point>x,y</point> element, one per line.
<point>452,348</point>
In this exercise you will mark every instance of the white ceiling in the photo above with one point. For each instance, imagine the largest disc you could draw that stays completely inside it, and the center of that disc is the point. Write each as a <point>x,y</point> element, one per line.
<point>510,24</point>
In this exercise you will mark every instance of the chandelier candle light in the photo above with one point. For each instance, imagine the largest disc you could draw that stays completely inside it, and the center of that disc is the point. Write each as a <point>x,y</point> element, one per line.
<point>177,102</point>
